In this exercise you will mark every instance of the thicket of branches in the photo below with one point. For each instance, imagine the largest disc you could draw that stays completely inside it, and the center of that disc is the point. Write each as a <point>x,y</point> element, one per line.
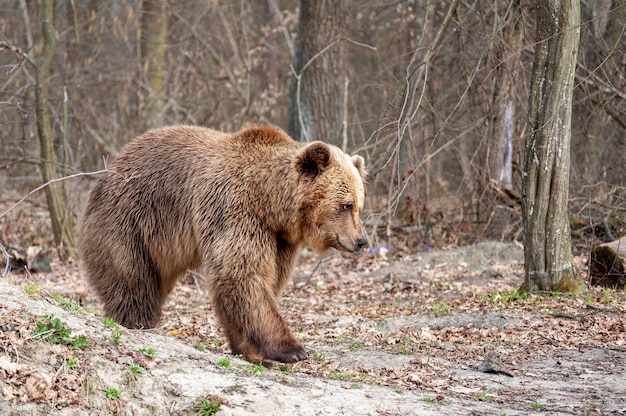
<point>436,98</point>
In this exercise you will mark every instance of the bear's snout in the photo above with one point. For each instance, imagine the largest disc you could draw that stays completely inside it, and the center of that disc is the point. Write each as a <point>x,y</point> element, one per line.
<point>360,243</point>
<point>351,246</point>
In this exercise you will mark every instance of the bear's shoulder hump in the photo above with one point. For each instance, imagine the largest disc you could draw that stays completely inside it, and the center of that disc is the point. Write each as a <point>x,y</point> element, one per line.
<point>264,135</point>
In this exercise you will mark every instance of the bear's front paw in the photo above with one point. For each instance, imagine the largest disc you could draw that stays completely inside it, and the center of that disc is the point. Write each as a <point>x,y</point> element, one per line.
<point>290,356</point>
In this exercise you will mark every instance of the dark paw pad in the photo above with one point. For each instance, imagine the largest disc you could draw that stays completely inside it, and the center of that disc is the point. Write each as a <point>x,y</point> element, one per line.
<point>291,356</point>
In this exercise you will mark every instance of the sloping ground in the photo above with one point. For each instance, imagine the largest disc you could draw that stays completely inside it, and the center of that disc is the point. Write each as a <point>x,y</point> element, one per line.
<point>173,383</point>
<point>388,337</point>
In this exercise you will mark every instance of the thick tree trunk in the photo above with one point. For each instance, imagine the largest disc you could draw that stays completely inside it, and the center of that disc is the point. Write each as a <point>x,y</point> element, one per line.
<point>316,96</point>
<point>63,222</point>
<point>547,239</point>
<point>153,45</point>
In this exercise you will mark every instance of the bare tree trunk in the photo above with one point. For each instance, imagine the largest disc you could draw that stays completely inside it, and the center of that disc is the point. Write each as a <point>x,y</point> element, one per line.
<point>499,172</point>
<point>547,239</point>
<point>153,44</point>
<point>63,221</point>
<point>315,112</point>
<point>500,156</point>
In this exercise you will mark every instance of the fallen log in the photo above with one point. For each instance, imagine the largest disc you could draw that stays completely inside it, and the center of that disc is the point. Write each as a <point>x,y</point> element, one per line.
<point>607,264</point>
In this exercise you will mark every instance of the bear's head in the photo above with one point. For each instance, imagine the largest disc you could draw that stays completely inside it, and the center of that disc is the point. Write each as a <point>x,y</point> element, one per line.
<point>333,199</point>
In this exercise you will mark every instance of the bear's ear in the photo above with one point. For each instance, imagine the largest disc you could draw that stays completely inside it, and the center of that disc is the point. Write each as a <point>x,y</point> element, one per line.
<point>359,164</point>
<point>313,159</point>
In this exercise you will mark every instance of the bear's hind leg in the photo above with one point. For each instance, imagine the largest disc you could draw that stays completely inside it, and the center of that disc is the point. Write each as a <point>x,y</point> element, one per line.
<point>135,305</point>
<point>128,288</point>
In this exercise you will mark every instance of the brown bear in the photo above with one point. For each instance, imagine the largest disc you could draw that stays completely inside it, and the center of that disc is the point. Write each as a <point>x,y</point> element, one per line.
<point>236,207</point>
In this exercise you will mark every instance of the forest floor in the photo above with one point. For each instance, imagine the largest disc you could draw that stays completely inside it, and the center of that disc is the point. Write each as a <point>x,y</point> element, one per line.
<point>426,332</point>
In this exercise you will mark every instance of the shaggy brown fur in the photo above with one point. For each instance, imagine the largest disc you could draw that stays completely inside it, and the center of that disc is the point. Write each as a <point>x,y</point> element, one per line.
<point>236,206</point>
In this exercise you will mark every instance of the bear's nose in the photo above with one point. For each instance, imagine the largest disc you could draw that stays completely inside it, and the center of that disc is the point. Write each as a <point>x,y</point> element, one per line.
<point>361,242</point>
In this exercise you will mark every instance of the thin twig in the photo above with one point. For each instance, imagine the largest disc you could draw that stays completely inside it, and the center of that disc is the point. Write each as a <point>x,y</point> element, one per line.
<point>39,188</point>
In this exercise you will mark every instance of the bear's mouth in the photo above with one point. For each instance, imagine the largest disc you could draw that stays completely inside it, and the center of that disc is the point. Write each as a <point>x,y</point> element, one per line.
<point>339,246</point>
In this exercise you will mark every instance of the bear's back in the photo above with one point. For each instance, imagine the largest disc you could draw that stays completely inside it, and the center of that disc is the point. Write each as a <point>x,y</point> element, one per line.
<point>191,147</point>
<point>182,173</point>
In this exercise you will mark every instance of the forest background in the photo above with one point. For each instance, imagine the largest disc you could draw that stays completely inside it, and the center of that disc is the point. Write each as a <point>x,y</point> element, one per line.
<point>435,95</point>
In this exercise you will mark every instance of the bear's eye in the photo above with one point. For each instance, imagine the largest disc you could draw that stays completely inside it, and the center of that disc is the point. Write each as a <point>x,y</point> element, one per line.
<point>346,207</point>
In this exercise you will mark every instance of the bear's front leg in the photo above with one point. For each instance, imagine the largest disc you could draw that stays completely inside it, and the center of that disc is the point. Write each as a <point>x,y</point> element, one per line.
<point>244,299</point>
<point>252,323</point>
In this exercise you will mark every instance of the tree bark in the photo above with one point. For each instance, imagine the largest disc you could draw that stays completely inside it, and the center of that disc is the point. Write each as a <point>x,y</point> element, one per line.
<point>63,222</point>
<point>547,238</point>
<point>316,96</point>
<point>499,172</point>
<point>153,45</point>
<point>500,161</point>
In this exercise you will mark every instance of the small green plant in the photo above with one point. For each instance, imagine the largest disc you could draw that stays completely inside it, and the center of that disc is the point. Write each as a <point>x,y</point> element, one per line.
<point>150,352</point>
<point>483,395</point>
<point>209,406</point>
<point>30,289</point>
<point>67,304</point>
<point>255,368</point>
<point>356,346</point>
<point>109,322</point>
<point>506,297</point>
<point>116,336</point>
<point>284,368</point>
<point>71,362</point>
<point>224,362</point>
<point>79,342</point>
<point>589,298</point>
<point>483,298</point>
<point>398,391</point>
<point>112,393</point>
<point>607,296</point>
<point>428,400</point>
<point>538,406</point>
<point>135,368</point>
<point>200,346</point>
<point>116,333</point>
<point>235,388</point>
<point>441,308</point>
<point>53,330</point>
<point>340,376</point>
<point>517,295</point>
